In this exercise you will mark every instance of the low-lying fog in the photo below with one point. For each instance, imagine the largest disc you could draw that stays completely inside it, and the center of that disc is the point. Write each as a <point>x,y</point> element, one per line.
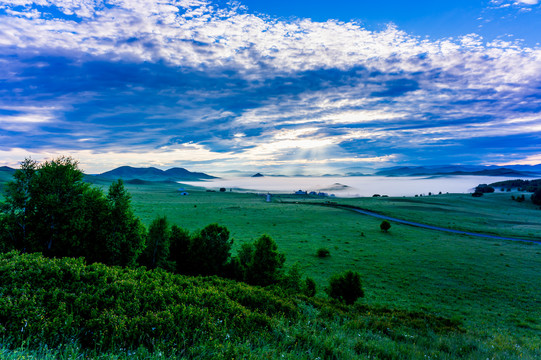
<point>353,186</point>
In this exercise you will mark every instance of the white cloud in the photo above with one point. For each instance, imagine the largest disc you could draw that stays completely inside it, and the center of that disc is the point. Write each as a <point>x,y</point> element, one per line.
<point>488,78</point>
<point>205,36</point>
<point>506,3</point>
<point>93,162</point>
<point>528,2</point>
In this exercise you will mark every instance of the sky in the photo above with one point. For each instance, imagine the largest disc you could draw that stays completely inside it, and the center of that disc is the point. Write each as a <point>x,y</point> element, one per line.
<point>278,87</point>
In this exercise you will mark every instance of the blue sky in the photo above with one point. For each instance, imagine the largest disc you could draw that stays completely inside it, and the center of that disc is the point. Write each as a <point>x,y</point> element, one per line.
<point>307,87</point>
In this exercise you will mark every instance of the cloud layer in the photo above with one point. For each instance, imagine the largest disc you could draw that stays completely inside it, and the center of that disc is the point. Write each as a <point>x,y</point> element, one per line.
<point>194,83</point>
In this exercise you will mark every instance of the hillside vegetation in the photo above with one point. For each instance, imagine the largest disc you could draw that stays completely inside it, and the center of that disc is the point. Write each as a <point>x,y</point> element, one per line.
<point>65,308</point>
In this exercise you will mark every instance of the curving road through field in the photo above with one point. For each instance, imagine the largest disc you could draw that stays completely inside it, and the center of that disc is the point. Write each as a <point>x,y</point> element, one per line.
<point>411,223</point>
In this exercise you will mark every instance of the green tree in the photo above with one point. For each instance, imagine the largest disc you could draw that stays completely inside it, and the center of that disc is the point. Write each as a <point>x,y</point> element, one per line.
<point>125,238</point>
<point>179,253</point>
<point>55,209</point>
<point>265,266</point>
<point>49,208</point>
<point>385,226</point>
<point>536,196</point>
<point>15,211</point>
<point>156,253</point>
<point>210,250</point>
<point>346,287</point>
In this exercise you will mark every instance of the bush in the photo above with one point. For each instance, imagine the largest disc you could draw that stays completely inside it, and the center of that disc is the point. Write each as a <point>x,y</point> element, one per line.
<point>385,226</point>
<point>322,253</point>
<point>346,287</point>
<point>63,301</point>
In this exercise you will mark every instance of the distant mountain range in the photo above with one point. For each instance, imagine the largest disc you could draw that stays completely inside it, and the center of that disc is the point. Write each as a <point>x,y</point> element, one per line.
<point>181,174</point>
<point>154,174</point>
<point>511,170</point>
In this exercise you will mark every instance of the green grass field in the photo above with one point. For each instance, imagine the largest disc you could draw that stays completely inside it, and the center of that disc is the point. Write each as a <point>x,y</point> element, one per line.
<point>492,286</point>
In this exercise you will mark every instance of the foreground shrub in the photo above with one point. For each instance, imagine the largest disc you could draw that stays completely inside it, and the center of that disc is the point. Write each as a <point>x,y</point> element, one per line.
<point>61,301</point>
<point>345,287</point>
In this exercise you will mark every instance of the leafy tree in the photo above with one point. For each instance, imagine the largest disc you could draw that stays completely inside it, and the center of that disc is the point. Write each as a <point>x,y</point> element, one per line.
<point>292,279</point>
<point>50,209</point>
<point>45,206</point>
<point>210,250</point>
<point>15,210</point>
<point>125,238</point>
<point>156,253</point>
<point>346,287</point>
<point>265,266</point>
<point>385,226</point>
<point>484,188</point>
<point>536,197</point>
<point>179,253</point>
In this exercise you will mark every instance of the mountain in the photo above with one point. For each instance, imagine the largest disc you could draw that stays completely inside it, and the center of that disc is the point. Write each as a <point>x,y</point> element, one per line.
<point>519,171</point>
<point>181,173</point>
<point>6,175</point>
<point>258,175</point>
<point>7,169</point>
<point>153,174</point>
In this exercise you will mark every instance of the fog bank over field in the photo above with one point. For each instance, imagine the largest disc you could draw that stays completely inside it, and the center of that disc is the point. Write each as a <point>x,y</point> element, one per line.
<point>354,186</point>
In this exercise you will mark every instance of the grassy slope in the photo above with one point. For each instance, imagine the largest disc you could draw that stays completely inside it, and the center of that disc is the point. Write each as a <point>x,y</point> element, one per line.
<point>490,285</point>
<point>111,312</point>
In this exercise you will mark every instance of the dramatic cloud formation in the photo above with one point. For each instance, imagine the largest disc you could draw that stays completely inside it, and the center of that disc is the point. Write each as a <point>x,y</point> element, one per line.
<point>194,83</point>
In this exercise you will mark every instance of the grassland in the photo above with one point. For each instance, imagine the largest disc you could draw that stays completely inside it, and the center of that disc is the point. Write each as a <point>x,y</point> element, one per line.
<point>492,286</point>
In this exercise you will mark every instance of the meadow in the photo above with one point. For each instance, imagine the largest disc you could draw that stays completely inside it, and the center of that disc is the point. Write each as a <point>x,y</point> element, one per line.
<point>428,294</point>
<point>491,286</point>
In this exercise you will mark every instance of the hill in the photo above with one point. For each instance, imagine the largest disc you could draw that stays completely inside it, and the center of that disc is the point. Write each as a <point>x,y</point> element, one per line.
<point>7,169</point>
<point>153,174</point>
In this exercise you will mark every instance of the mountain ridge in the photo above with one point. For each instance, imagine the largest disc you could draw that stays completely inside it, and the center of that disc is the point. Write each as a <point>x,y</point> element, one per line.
<point>153,174</point>
<point>525,171</point>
